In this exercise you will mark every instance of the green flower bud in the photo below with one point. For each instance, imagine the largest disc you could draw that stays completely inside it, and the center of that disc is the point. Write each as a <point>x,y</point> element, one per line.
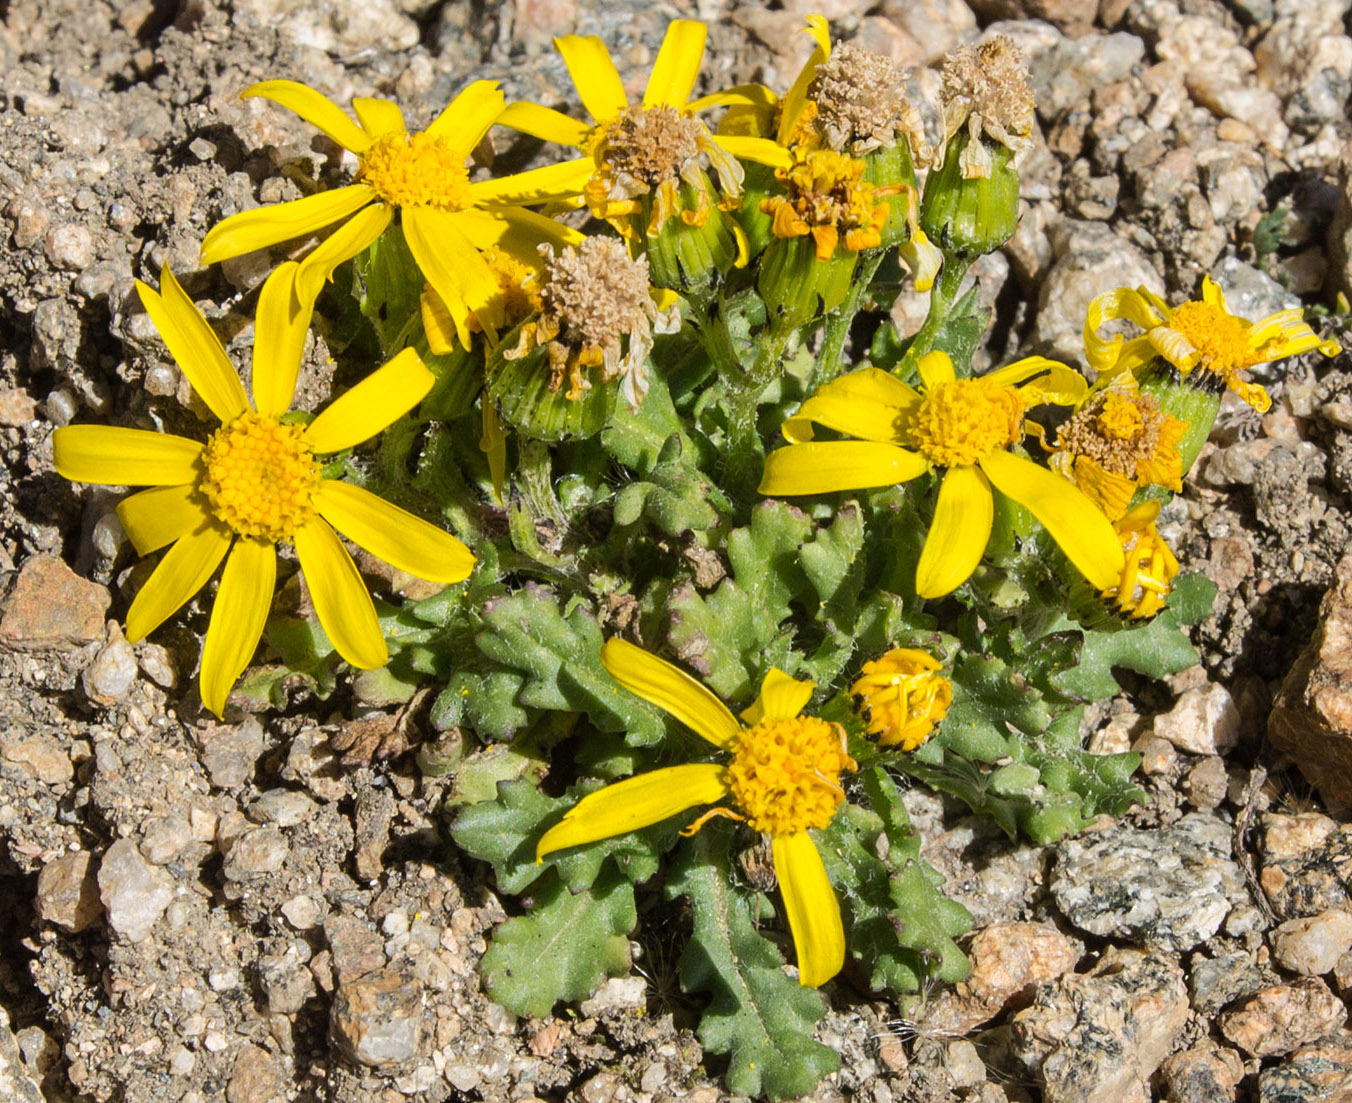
<point>970,217</point>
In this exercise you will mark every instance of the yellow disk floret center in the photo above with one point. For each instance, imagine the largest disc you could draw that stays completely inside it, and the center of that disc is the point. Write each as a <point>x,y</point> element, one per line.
<point>828,197</point>
<point>260,477</point>
<point>785,774</point>
<point>964,420</point>
<point>417,170</point>
<point>1120,418</point>
<point>1221,339</point>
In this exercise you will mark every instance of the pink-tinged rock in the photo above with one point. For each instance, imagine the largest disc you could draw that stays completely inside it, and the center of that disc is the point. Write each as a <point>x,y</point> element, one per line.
<point>52,608</point>
<point>134,892</point>
<point>1283,1017</point>
<point>1311,720</point>
<point>1313,944</point>
<point>1204,721</point>
<point>68,893</point>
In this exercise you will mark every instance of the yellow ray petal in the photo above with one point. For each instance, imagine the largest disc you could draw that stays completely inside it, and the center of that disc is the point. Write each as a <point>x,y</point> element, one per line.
<point>263,226</point>
<point>363,411</point>
<point>868,403</point>
<point>354,236</point>
<point>465,122</point>
<point>598,84</point>
<point>237,618</point>
<point>634,803</point>
<point>156,517</point>
<point>452,265</point>
<point>183,571</point>
<point>195,347</point>
<point>543,185</point>
<point>110,456</point>
<point>754,96</point>
<point>1212,295</point>
<point>958,534</point>
<point>1075,523</point>
<point>516,231</point>
<point>670,689</point>
<point>280,327</point>
<point>1122,302</point>
<point>379,117</point>
<point>820,468</point>
<point>796,97</point>
<point>761,150</point>
<point>344,607</point>
<point>780,698</point>
<point>811,908</point>
<point>393,534</point>
<point>677,66</point>
<point>544,123</point>
<point>316,109</point>
<point>935,368</point>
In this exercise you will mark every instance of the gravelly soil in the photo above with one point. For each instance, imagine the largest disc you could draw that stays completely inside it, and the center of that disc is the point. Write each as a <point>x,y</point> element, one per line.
<point>312,917</point>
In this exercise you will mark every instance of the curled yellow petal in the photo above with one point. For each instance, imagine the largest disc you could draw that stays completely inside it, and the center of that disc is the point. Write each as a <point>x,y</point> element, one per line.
<point>1074,522</point>
<point>634,803</point>
<point>811,908</point>
<point>393,534</point>
<point>360,413</point>
<point>958,535</point>
<point>237,618</point>
<point>111,456</point>
<point>340,598</point>
<point>780,698</point>
<point>670,689</point>
<point>823,467</point>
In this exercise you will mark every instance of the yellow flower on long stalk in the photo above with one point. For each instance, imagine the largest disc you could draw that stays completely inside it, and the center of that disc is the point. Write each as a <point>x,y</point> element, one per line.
<point>447,220</point>
<point>257,483</point>
<point>782,776</point>
<point>963,426</point>
<point>636,150</point>
<point>1201,338</point>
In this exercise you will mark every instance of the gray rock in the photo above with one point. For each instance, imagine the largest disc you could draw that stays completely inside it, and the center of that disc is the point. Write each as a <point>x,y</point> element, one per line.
<point>163,838</point>
<point>1091,259</point>
<point>1100,1036</point>
<point>1215,982</point>
<point>1307,864</point>
<point>68,892</point>
<point>376,1020</point>
<point>1173,887</point>
<point>109,679</point>
<point>282,807</point>
<point>40,754</point>
<point>15,1085</point>
<point>257,851</point>
<point>256,1077</point>
<point>1207,783</point>
<point>1317,1073</point>
<point>1205,1074</point>
<point>1312,945</point>
<point>231,751</point>
<point>617,994</point>
<point>134,892</point>
<point>286,981</point>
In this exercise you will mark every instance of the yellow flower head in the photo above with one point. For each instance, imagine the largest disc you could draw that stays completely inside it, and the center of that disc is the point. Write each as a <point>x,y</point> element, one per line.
<point>1208,345</point>
<point>1116,441</point>
<point>449,222</point>
<point>902,696</point>
<point>257,483</point>
<point>1149,569</point>
<point>636,153</point>
<point>964,426</point>
<point>597,309</point>
<point>828,198</point>
<point>782,776</point>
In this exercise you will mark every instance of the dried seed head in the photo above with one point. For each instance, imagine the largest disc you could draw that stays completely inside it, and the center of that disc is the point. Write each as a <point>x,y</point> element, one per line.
<point>986,88</point>
<point>653,145</point>
<point>861,106</point>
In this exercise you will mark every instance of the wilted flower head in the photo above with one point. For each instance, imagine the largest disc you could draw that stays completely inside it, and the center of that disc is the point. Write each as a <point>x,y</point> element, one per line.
<point>828,197</point>
<point>1149,569</point>
<point>985,88</point>
<point>861,104</point>
<point>902,696</point>
<point>596,310</point>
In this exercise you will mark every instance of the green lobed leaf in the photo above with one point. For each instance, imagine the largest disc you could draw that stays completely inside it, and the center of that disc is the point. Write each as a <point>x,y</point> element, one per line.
<point>761,1018</point>
<point>564,947</point>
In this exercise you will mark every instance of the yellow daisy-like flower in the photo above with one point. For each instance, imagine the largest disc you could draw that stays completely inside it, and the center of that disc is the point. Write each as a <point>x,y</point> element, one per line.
<point>902,696</point>
<point>1117,441</point>
<point>638,150</point>
<point>782,776</point>
<point>256,483</point>
<point>1149,569</point>
<point>1202,339</point>
<point>965,426</point>
<point>448,221</point>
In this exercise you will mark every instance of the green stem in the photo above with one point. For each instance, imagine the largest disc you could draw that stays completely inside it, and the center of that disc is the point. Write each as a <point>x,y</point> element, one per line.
<point>744,389</point>
<point>942,298</point>
<point>534,478</point>
<point>827,365</point>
